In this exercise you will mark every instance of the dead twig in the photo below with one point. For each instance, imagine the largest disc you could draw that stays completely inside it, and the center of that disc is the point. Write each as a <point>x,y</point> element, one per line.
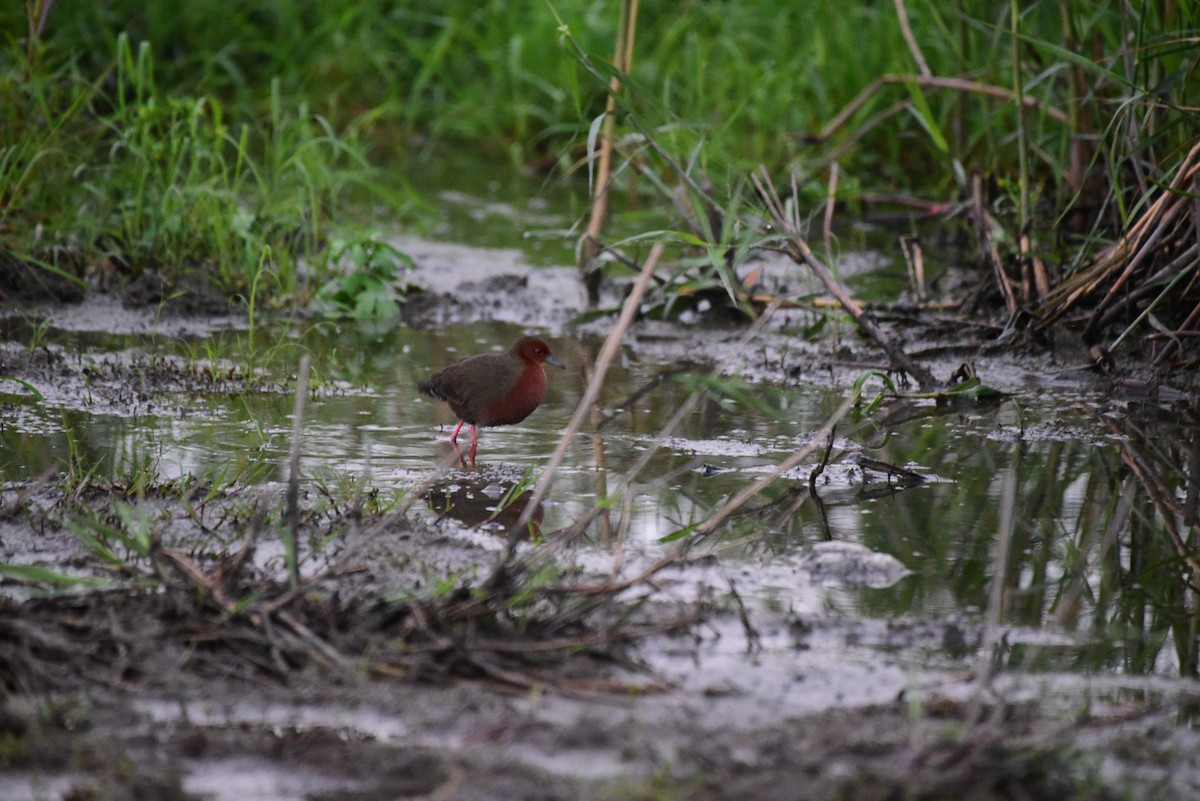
<point>799,250</point>
<point>622,64</point>
<point>293,487</point>
<point>821,465</point>
<point>934,82</point>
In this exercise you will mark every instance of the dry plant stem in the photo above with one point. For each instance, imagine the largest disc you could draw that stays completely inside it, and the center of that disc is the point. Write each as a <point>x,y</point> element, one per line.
<point>597,418</point>
<point>324,650</point>
<point>200,580</point>
<point>555,545</point>
<point>1165,293</point>
<point>645,389</point>
<point>603,362</point>
<point>651,141</point>
<point>1126,253</point>
<point>859,133</point>
<point>397,516</point>
<point>212,586</point>
<point>957,84</point>
<point>914,260</point>
<point>418,492</point>
<point>821,465</point>
<point>987,246</point>
<point>802,253</point>
<point>36,12</point>
<point>817,441</point>
<point>293,488</point>
<point>623,62</point>
<point>677,199</point>
<point>671,425</point>
<point>911,41</point>
<point>672,558</point>
<point>1183,330</point>
<point>830,203</point>
<point>1195,250</point>
<point>1191,501</point>
<point>1142,254</point>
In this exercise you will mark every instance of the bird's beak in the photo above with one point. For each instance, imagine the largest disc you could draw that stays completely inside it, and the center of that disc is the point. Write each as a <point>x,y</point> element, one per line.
<point>552,359</point>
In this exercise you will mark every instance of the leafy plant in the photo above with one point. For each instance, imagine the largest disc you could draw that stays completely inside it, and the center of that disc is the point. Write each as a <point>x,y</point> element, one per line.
<point>133,533</point>
<point>373,288</point>
<point>139,178</point>
<point>28,387</point>
<point>36,574</point>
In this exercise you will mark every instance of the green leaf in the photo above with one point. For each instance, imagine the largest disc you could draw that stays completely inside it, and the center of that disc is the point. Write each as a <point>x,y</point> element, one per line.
<point>369,291</point>
<point>889,387</point>
<point>925,117</point>
<point>680,534</point>
<point>29,387</point>
<point>592,137</point>
<point>971,389</point>
<point>83,528</point>
<point>35,574</point>
<point>376,303</point>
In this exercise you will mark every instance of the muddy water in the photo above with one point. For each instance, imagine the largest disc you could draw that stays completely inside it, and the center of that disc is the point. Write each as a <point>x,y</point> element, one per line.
<point>1076,596</point>
<point>856,596</point>
<point>1071,602</point>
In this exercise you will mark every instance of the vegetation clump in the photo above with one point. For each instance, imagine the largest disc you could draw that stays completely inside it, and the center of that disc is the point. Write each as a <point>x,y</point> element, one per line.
<point>181,141</point>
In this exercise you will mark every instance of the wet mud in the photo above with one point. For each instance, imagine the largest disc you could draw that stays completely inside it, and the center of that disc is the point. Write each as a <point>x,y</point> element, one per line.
<point>194,671</point>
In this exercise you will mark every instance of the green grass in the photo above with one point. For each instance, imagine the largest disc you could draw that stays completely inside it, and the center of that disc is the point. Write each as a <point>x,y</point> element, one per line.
<point>116,175</point>
<point>230,139</point>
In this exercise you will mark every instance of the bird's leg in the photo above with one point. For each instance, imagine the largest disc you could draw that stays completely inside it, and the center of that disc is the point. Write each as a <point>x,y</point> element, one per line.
<point>461,461</point>
<point>474,444</point>
<point>454,436</point>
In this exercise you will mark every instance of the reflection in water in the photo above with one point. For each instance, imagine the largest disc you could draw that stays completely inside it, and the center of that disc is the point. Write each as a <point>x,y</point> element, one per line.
<point>1097,552</point>
<point>1101,572</point>
<point>485,504</point>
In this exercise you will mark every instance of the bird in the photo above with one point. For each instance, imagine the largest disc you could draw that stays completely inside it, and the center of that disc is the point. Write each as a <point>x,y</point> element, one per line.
<point>493,389</point>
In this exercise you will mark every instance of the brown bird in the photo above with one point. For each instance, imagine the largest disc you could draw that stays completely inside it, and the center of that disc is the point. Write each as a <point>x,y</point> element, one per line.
<point>493,389</point>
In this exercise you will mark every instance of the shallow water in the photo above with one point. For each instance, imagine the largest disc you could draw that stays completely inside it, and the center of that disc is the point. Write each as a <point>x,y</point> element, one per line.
<point>1071,601</point>
<point>1092,582</point>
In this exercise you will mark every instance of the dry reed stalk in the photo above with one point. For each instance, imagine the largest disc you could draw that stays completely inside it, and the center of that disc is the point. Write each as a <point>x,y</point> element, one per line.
<point>293,486</point>
<point>830,207</point>
<point>913,48</point>
<point>1163,224</point>
<point>1162,494</point>
<point>934,82</point>
<point>988,252</point>
<point>623,63</point>
<point>800,252</point>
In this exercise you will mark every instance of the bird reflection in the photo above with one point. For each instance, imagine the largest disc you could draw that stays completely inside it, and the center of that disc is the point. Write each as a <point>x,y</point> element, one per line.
<point>489,505</point>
